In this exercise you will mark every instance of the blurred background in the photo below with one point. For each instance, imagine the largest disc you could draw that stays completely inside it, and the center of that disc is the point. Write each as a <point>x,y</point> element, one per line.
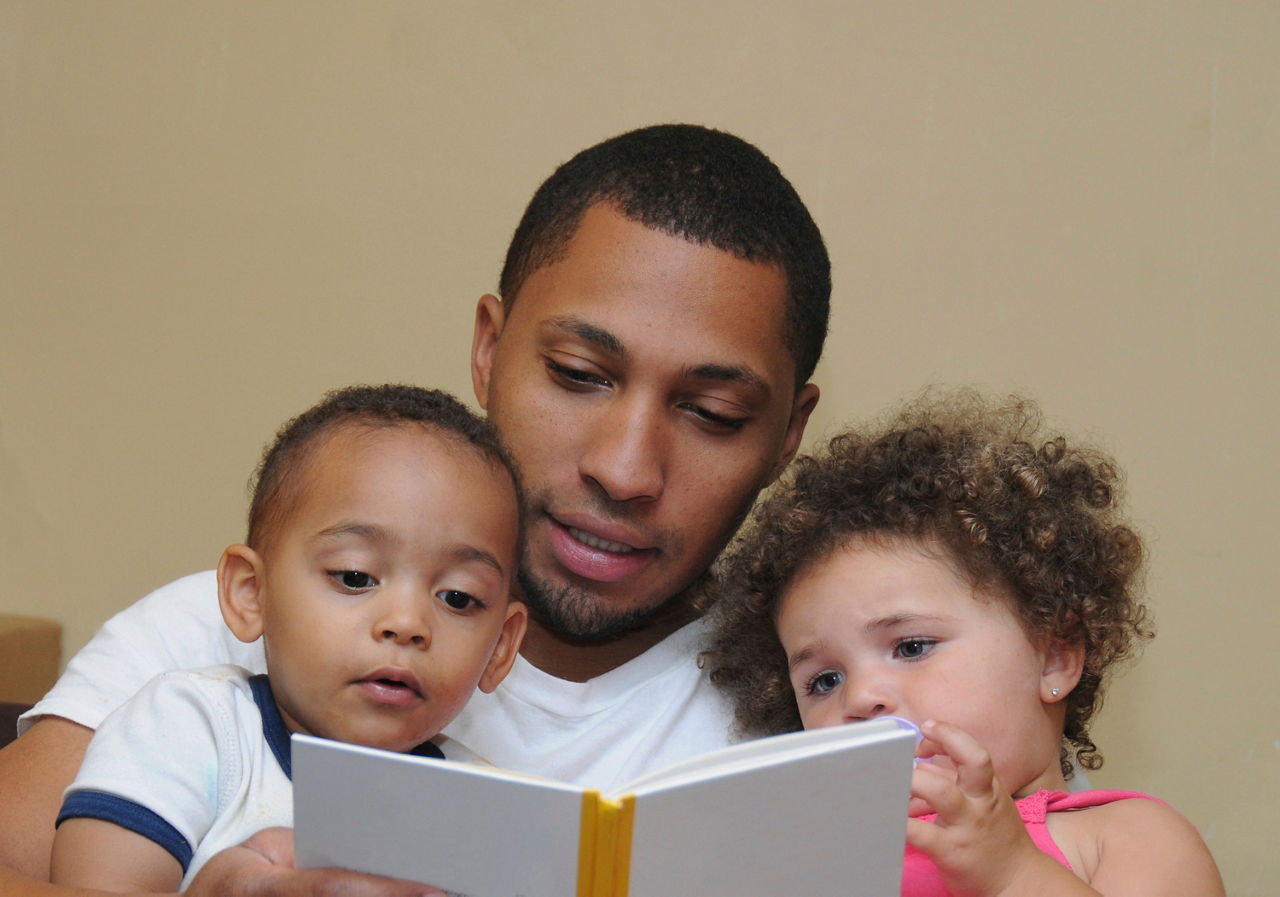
<point>212,213</point>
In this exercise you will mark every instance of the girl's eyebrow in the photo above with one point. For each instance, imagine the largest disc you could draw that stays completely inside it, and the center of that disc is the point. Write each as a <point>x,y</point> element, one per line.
<point>805,653</point>
<point>892,621</point>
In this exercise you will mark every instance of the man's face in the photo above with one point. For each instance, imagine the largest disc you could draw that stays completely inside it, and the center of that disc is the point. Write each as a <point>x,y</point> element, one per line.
<point>643,386</point>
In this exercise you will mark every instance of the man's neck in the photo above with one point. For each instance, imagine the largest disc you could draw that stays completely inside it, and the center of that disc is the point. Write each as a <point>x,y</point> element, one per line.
<point>580,659</point>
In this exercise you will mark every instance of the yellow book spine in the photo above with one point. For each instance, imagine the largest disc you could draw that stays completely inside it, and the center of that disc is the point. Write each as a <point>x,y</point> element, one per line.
<point>604,846</point>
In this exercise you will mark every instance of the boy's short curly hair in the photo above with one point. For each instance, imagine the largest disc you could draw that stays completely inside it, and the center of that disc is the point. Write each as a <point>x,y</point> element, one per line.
<point>1018,511</point>
<point>277,483</point>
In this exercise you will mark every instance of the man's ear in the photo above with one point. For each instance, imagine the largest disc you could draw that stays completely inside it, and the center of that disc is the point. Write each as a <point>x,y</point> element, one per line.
<point>504,653</point>
<point>1063,666</point>
<point>241,591</point>
<point>491,316</point>
<point>805,401</point>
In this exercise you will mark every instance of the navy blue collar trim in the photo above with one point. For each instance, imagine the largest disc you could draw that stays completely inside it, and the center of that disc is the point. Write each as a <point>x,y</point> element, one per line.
<point>273,728</point>
<point>277,733</point>
<point>427,749</point>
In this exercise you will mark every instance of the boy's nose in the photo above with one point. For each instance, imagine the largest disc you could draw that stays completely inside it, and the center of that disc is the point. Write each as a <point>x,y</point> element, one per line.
<point>403,623</point>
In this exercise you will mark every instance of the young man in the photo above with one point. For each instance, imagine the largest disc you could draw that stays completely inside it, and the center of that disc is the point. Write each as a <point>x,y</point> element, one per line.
<point>664,303</point>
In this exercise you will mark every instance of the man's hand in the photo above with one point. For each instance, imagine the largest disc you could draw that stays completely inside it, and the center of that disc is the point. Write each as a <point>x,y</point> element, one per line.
<point>263,867</point>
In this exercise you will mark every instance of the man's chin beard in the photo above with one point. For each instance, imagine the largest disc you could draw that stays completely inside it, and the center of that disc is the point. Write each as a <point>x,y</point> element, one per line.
<point>574,612</point>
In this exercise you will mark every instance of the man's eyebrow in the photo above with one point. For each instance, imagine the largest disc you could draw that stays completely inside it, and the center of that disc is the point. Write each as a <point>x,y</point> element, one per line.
<point>728,373</point>
<point>593,334</point>
<point>603,339</point>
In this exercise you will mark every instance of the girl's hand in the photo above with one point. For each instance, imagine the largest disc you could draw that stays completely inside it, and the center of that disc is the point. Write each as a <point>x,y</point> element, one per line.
<point>978,841</point>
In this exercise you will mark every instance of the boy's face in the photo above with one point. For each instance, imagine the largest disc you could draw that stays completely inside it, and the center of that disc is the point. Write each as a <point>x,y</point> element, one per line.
<point>384,595</point>
<point>643,385</point>
<point>876,630</point>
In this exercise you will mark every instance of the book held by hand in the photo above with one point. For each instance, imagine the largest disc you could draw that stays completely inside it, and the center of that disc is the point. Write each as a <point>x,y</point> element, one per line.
<point>818,813</point>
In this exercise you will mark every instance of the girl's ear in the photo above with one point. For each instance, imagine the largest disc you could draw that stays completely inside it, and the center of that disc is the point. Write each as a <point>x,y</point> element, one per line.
<point>504,653</point>
<point>242,591</point>
<point>1063,665</point>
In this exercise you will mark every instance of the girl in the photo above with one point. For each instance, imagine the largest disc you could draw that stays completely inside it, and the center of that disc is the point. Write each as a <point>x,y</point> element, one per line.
<point>962,572</point>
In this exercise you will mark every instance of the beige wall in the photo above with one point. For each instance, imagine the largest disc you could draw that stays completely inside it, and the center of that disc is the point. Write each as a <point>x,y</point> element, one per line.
<point>212,213</point>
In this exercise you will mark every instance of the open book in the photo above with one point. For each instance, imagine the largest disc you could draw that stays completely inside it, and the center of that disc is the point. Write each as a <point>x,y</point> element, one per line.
<point>818,813</point>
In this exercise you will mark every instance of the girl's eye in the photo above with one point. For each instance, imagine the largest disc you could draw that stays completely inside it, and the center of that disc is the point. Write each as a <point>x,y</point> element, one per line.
<point>458,600</point>
<point>353,580</point>
<point>913,648</point>
<point>824,683</point>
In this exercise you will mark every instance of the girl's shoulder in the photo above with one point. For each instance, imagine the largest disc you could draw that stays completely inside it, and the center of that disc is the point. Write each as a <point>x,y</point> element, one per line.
<point>1125,842</point>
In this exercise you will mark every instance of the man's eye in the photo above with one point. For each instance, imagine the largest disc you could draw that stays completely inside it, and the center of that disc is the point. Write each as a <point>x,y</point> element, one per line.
<point>719,421</point>
<point>574,376</point>
<point>353,580</point>
<point>913,648</point>
<point>825,682</point>
<point>458,600</point>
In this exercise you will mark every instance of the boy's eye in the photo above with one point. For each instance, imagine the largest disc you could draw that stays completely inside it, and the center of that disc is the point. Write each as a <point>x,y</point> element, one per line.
<point>913,648</point>
<point>458,600</point>
<point>825,682</point>
<point>353,580</point>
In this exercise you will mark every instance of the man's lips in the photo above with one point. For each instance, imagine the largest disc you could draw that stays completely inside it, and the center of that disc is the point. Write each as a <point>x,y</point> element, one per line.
<point>391,685</point>
<point>598,552</point>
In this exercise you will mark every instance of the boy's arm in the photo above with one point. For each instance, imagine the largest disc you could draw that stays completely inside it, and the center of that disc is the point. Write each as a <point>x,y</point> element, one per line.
<point>94,853</point>
<point>34,770</point>
<point>261,867</point>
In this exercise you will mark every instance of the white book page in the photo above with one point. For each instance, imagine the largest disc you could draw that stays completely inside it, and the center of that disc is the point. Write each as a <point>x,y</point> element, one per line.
<point>763,751</point>
<point>835,824</point>
<point>401,816</point>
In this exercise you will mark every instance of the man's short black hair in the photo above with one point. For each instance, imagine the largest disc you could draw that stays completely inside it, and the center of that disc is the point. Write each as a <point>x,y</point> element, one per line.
<point>701,185</point>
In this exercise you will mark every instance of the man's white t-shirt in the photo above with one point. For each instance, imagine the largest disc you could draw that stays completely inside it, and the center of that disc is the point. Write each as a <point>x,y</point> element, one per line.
<point>646,714</point>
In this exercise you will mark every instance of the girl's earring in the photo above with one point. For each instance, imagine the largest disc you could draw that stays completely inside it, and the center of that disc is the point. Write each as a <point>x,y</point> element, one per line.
<point>1055,692</point>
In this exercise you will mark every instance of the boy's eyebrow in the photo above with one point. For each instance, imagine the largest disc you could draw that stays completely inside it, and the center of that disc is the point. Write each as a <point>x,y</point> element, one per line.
<point>608,342</point>
<point>374,533</point>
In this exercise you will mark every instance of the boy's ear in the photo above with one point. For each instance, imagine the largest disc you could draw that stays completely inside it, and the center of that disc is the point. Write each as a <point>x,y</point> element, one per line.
<point>241,591</point>
<point>491,316</point>
<point>504,653</point>
<point>1063,665</point>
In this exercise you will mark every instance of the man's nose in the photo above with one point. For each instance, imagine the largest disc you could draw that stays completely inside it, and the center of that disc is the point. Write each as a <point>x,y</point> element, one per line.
<point>627,452</point>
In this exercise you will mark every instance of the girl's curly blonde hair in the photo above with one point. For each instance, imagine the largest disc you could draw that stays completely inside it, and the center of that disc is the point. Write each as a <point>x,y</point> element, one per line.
<point>1019,511</point>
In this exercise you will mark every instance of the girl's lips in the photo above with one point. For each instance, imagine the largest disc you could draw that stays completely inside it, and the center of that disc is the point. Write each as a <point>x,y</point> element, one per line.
<point>596,557</point>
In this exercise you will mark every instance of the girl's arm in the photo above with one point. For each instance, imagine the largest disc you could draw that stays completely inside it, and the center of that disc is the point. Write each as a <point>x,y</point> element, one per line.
<point>1148,849</point>
<point>982,849</point>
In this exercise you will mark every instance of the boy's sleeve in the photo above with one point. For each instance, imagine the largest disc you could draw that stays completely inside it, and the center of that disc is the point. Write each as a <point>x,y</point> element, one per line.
<point>158,764</point>
<point>178,626</point>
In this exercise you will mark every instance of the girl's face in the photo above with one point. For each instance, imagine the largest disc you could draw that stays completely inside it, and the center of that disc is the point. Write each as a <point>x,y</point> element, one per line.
<point>885,628</point>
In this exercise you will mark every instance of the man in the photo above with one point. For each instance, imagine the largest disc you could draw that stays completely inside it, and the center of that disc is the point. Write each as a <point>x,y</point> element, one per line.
<point>664,303</point>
